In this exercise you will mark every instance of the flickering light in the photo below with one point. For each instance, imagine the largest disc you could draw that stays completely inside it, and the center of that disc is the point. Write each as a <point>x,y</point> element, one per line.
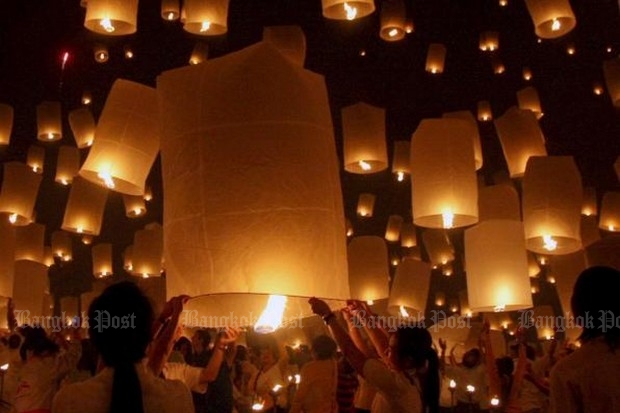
<point>107,25</point>
<point>470,388</point>
<point>365,165</point>
<point>13,218</point>
<point>171,16</point>
<point>452,384</point>
<point>351,11</point>
<point>448,218</point>
<point>106,176</point>
<point>556,25</point>
<point>362,52</point>
<point>205,26</point>
<point>370,302</point>
<point>403,312</point>
<point>393,32</point>
<point>549,243</point>
<point>400,176</point>
<point>495,401</point>
<point>271,318</point>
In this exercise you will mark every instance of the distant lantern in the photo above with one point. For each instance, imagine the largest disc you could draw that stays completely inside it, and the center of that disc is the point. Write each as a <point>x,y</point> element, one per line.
<point>101,53</point>
<point>496,266</point>
<point>598,89</point>
<point>147,252</point>
<point>128,52</point>
<point>485,113</point>
<point>170,10</point>
<point>148,194</point>
<point>363,128</point>
<point>289,40</point>
<point>435,58</point>
<point>368,268</point>
<point>409,26</point>
<point>206,18</point>
<point>85,207</point>
<point>499,202</point>
<point>589,230</point>
<point>589,205</point>
<point>545,321</point>
<point>440,298</point>
<point>102,260</point>
<point>521,138</point>
<point>87,98</point>
<point>528,99</point>
<point>535,285</point>
<point>346,9</point>
<point>527,74</point>
<point>366,205</point>
<point>551,18</point>
<point>443,175</point>
<point>6,123</point>
<point>464,304</point>
<point>126,139</point>
<point>552,196</point>
<point>610,212</point>
<point>393,20</point>
<point>349,228</point>
<point>68,164</point>
<point>392,231</point>
<point>570,49</point>
<point>18,195</point>
<point>29,242</point>
<point>611,70</point>
<point>200,53</point>
<point>128,258</point>
<point>401,163</point>
<point>533,269</point>
<point>497,65</point>
<point>489,41</point>
<point>438,247</point>
<point>7,258</point>
<point>36,158</point>
<point>408,237</point>
<point>475,133</point>
<point>49,124</point>
<point>48,256</point>
<point>410,289</point>
<point>62,245</point>
<point>29,287</point>
<point>134,206</point>
<point>447,269</point>
<point>111,17</point>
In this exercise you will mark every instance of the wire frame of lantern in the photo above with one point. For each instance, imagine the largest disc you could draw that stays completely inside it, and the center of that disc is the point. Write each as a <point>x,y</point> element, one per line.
<point>102,260</point>
<point>85,207</point>
<point>101,53</point>
<point>611,70</point>
<point>499,202</point>
<point>62,246</point>
<point>87,98</point>
<point>206,18</point>
<point>346,9</point>
<point>6,123</point>
<point>111,17</point>
<point>29,242</point>
<point>393,18</point>
<point>18,195</point>
<point>489,41</point>
<point>68,164</point>
<point>521,138</point>
<point>134,206</point>
<point>610,212</point>
<point>551,204</point>
<point>368,268</point>
<point>435,58</point>
<point>289,40</point>
<point>401,161</point>
<point>36,158</point>
<point>527,74</point>
<point>438,247</point>
<point>528,99</point>
<point>49,125</point>
<point>126,139</point>
<point>444,186</point>
<point>170,10</point>
<point>200,53</point>
<point>551,18</point>
<point>7,258</point>
<point>409,291</point>
<point>366,205</point>
<point>147,254</point>
<point>485,113</point>
<point>468,117</point>
<point>496,266</point>
<point>363,129</point>
<point>589,206</point>
<point>392,230</point>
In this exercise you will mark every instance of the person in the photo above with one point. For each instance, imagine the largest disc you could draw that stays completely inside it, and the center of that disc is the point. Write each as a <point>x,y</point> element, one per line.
<point>267,385</point>
<point>243,371</point>
<point>347,386</point>
<point>120,323</point>
<point>15,363</point>
<point>182,351</point>
<point>587,381</point>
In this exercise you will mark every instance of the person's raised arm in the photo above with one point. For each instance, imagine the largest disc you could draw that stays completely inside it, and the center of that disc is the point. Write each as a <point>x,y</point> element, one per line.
<point>495,387</point>
<point>513,399</point>
<point>355,332</point>
<point>372,325</point>
<point>223,340</point>
<point>165,328</point>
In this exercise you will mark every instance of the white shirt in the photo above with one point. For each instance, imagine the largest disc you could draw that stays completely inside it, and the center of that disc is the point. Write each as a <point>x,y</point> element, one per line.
<point>395,392</point>
<point>186,374</point>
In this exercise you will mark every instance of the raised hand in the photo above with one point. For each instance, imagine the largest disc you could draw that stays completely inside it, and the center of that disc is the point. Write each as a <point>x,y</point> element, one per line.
<point>319,307</point>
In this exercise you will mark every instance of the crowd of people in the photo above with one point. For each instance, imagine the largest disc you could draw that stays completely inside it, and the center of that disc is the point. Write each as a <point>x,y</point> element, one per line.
<point>359,367</point>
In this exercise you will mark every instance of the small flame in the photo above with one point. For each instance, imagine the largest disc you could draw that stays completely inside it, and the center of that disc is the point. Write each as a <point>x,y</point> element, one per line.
<point>452,384</point>
<point>349,233</point>
<point>205,26</point>
<point>129,54</point>
<point>499,308</point>
<point>485,117</point>
<point>258,406</point>
<point>495,401</point>
<point>171,16</point>
<point>50,136</point>
<point>551,279</point>
<point>400,176</point>
<point>145,275</point>
<point>403,312</point>
<point>137,211</point>
<point>271,318</point>
<point>611,227</point>
<point>598,90</point>
<point>351,11</point>
<point>35,168</point>
<point>80,229</point>
<point>63,181</point>
<point>505,325</point>
<point>555,25</point>
<point>13,218</point>
<point>4,367</point>
<point>87,239</point>
<point>276,388</point>
<point>448,218</point>
<point>470,388</point>
<point>549,243</point>
<point>433,70</point>
<point>370,302</point>
<point>393,32</point>
<point>65,57</point>
<point>106,176</point>
<point>297,378</point>
<point>365,165</point>
<point>107,25</point>
<point>85,101</point>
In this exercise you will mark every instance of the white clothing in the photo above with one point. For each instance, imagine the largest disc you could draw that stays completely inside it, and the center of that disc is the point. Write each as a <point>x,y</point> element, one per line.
<point>186,374</point>
<point>395,392</point>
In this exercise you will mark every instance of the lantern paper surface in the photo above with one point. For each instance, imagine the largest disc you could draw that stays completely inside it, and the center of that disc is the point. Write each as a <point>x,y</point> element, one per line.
<point>85,207</point>
<point>7,258</point>
<point>363,129</point>
<point>368,268</point>
<point>566,269</point>
<point>475,134</point>
<point>392,231</point>
<point>289,40</point>
<point>29,242</point>
<point>528,100</point>
<point>82,125</point>
<point>6,123</point>
<point>438,246</point>
<point>551,18</point>
<point>410,289</point>
<point>49,125</point>
<point>111,17</point>
<point>393,17</point>
<point>206,17</point>
<point>68,164</point>
<point>20,186</point>
<point>499,202</point>
<point>29,287</point>
<point>347,10</point>
<point>610,212</point>
<point>147,253</point>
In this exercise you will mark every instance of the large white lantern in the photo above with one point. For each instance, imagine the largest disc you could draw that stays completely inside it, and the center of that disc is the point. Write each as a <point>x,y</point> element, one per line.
<point>409,291</point>
<point>347,9</point>
<point>363,129</point>
<point>551,18</point>
<point>111,17</point>
<point>368,268</point>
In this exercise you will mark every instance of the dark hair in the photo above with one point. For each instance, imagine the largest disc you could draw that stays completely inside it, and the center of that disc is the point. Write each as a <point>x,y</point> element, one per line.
<point>183,341</point>
<point>505,365</point>
<point>88,359</point>
<point>205,338</point>
<point>324,347</point>
<point>122,343</point>
<point>14,341</point>
<point>595,296</point>
<point>37,341</point>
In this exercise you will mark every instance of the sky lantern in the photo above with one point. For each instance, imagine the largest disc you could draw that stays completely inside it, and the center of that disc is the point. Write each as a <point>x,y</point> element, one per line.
<point>347,10</point>
<point>366,205</point>
<point>111,17</point>
<point>589,206</point>
<point>147,252</point>
<point>610,212</point>
<point>36,158</point>
<point>62,245</point>
<point>6,123</point>
<point>29,242</point>
<point>206,17</point>
<point>289,40</point>
<point>85,207</point>
<point>401,162</point>
<point>528,100</point>
<point>485,113</point>
<point>393,20</point>
<point>20,186</point>
<point>170,10</point>
<point>102,260</point>
<point>438,246</point>
<point>551,18</point>
<point>392,230</point>
<point>363,128</point>
<point>82,125</point>
<point>408,237</point>
<point>435,58</point>
<point>49,123</point>
<point>489,41</point>
<point>409,291</point>
<point>134,206</point>
<point>368,268</point>
<point>67,165</point>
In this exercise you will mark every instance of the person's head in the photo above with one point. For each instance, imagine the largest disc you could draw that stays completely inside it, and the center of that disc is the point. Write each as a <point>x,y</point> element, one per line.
<point>323,347</point>
<point>472,358</point>
<point>184,346</point>
<point>14,341</point>
<point>595,304</point>
<point>505,366</point>
<point>241,353</point>
<point>37,343</point>
<point>201,340</point>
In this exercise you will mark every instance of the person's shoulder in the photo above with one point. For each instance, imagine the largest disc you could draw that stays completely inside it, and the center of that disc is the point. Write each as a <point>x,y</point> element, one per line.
<point>75,397</point>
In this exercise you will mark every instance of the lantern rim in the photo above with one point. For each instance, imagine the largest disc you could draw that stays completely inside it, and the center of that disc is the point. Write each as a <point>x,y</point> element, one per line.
<point>121,27</point>
<point>436,221</point>
<point>337,12</point>
<point>566,245</point>
<point>384,33</point>
<point>375,166</point>
<point>544,30</point>
<point>120,185</point>
<point>215,29</point>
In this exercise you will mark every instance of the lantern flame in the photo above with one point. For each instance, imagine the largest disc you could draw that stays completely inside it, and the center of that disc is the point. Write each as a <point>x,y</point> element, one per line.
<point>452,384</point>
<point>555,25</point>
<point>470,388</point>
<point>350,10</point>
<point>106,176</point>
<point>610,227</point>
<point>271,318</point>
<point>276,388</point>
<point>13,218</point>
<point>80,229</point>
<point>205,26</point>
<point>503,3</point>
<point>403,312</point>
<point>258,406</point>
<point>499,308</point>
<point>107,25</point>
<point>297,378</point>
<point>137,211</point>
<point>494,401</point>
<point>365,165</point>
<point>448,218</point>
<point>35,168</point>
<point>370,302</point>
<point>393,32</point>
<point>171,16</point>
<point>549,243</point>
<point>400,176</point>
<point>50,136</point>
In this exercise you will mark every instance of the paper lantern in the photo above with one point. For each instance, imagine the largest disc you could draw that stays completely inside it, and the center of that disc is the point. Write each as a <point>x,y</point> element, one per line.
<point>521,138</point>
<point>551,203</point>
<point>497,65</point>
<point>126,139</point>
<point>409,291</point>
<point>363,129</point>
<point>605,252</point>
<point>68,164</point>
<point>440,298</point>
<point>535,285</point>
<point>589,206</point>
<point>49,125</point>
<point>134,206</point>
<point>148,194</point>
<point>392,231</point>
<point>499,202</point>
<point>393,17</point>
<point>70,308</point>
<point>82,125</point>
<point>206,17</point>
<point>101,53</point>
<point>610,212</point>
<point>551,18</point>
<point>289,40</point>
<point>598,89</point>
<point>401,163</point>
<point>6,123</point>
<point>570,50</point>
<point>111,17</point>
<point>527,74</point>
<point>84,211</point>
<point>408,237</point>
<point>200,53</point>
<point>36,158</point>
<point>473,130</point>
<point>435,58</point>
<point>443,175</point>
<point>61,245</point>
<point>464,305</point>
<point>489,41</point>
<point>87,98</point>
<point>365,205</point>
<point>102,260</point>
<point>170,10</point>
<point>532,265</point>
<point>589,230</point>
<point>29,242</point>
<point>447,269</point>
<point>48,256</point>
<point>147,253</point>
<point>368,268</point>
<point>528,100</point>
<point>347,10</point>
<point>611,70</point>
<point>484,111</point>
<point>349,228</point>
<point>128,258</point>
<point>128,51</point>
<point>19,192</point>
<point>29,289</point>
<point>438,246</point>
<point>7,258</point>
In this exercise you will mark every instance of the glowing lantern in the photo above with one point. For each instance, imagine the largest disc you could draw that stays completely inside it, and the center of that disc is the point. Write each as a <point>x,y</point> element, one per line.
<point>6,123</point>
<point>440,298</point>
<point>62,245</point>
<point>527,74</point>
<point>498,321</point>
<point>200,53</point>
<point>84,211</point>
<point>368,268</point>
<point>29,287</point>
<point>551,18</point>
<point>87,98</point>
<point>551,204</point>
<point>597,89</point>
<point>408,237</point>
<point>111,17</point>
<point>435,58</point>
<point>589,230</point>
<point>497,65</point>
<point>126,139</point>
<point>36,158</point>
<point>535,285</point>
<point>82,125</point>
<point>570,50</point>
<point>499,202</point>
<point>49,126</point>
<point>102,260</point>
<point>70,307</point>
<point>473,130</point>
<point>347,9</point>
<point>68,164</point>
<point>447,270</point>
<point>392,231</point>
<point>464,305</point>
<point>48,256</point>
<point>410,289</point>
<point>7,258</point>
<point>134,206</point>
<point>532,265</point>
<point>148,194</point>
<point>29,242</point>
<point>128,52</point>
<point>438,246</point>
<point>147,252</point>
<point>489,41</point>
<point>170,10</point>
<point>409,26</point>
<point>363,128</point>
<point>611,70</point>
<point>365,205</point>
<point>485,113</point>
<point>528,100</point>
<point>206,18</point>
<point>521,138</point>
<point>401,163</point>
<point>19,192</point>
<point>589,204</point>
<point>443,175</point>
<point>101,53</point>
<point>128,258</point>
<point>610,212</point>
<point>496,266</point>
<point>289,40</point>
<point>393,17</point>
